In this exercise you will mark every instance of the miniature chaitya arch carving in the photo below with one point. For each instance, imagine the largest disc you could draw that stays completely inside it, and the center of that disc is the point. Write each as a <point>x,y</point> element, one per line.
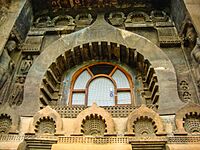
<point>144,126</point>
<point>94,125</point>
<point>145,116</point>
<point>94,120</point>
<point>191,123</point>
<point>47,121</point>
<point>188,119</point>
<point>45,125</point>
<point>5,123</point>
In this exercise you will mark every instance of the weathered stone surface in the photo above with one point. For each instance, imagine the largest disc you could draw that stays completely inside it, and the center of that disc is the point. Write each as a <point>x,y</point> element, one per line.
<point>46,48</point>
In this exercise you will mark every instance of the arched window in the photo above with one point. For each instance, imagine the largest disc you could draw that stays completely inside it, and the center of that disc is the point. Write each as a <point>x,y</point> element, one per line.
<point>103,83</point>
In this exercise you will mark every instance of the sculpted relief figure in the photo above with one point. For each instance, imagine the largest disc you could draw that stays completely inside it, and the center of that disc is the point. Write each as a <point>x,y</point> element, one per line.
<point>26,64</point>
<point>196,56</point>
<point>4,6</point>
<point>6,68</point>
<point>16,97</point>
<point>189,34</point>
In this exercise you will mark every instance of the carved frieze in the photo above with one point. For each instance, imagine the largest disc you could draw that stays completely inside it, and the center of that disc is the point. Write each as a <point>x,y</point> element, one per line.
<point>58,23</point>
<point>168,37</point>
<point>32,44</point>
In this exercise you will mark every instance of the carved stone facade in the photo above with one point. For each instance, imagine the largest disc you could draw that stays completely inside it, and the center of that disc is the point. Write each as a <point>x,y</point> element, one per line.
<point>99,74</point>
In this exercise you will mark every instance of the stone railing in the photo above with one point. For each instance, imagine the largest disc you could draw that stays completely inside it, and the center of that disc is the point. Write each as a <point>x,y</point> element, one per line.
<point>184,139</point>
<point>115,111</point>
<point>11,138</point>
<point>72,112</point>
<point>106,140</point>
<point>103,140</point>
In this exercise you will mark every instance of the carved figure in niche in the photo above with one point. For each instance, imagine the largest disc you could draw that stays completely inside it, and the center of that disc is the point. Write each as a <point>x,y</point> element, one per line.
<point>3,15</point>
<point>195,54</point>
<point>4,6</point>
<point>6,68</point>
<point>16,97</point>
<point>26,64</point>
<point>189,35</point>
<point>11,45</point>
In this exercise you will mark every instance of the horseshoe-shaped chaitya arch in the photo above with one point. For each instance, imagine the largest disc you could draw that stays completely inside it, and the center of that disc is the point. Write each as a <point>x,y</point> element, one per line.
<point>102,42</point>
